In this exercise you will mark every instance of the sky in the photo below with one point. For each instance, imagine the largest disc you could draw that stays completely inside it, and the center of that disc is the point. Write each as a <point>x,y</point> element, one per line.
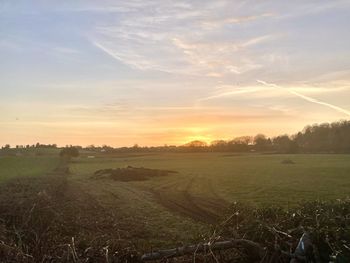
<point>168,72</point>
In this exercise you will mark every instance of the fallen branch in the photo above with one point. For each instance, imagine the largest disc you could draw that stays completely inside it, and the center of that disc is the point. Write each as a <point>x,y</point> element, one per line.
<point>255,250</point>
<point>6,248</point>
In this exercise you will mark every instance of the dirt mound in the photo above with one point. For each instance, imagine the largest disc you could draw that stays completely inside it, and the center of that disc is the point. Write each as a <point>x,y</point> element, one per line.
<point>130,173</point>
<point>287,161</point>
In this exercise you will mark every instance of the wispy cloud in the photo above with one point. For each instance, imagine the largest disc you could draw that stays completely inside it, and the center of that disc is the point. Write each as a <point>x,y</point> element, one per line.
<point>170,37</point>
<point>217,23</point>
<point>201,39</point>
<point>235,91</point>
<point>98,67</point>
<point>307,98</point>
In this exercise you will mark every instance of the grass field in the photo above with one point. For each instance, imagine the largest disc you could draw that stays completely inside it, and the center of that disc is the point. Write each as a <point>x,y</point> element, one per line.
<point>179,206</point>
<point>28,166</point>
<point>164,211</point>
<point>259,179</point>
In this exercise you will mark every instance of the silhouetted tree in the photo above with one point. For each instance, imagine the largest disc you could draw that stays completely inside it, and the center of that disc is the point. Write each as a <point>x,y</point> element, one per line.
<point>244,140</point>
<point>219,146</point>
<point>196,143</point>
<point>334,137</point>
<point>69,152</point>
<point>261,143</point>
<point>284,144</point>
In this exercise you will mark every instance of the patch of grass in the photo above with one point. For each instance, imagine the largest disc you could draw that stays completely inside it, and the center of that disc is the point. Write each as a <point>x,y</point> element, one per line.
<point>206,180</point>
<point>161,212</point>
<point>12,166</point>
<point>258,179</point>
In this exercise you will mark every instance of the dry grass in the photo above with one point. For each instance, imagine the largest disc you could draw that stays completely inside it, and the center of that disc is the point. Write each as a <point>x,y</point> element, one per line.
<point>46,220</point>
<point>65,217</point>
<point>278,230</point>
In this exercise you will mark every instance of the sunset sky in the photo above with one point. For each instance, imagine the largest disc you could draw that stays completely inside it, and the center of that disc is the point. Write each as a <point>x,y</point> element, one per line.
<point>168,72</point>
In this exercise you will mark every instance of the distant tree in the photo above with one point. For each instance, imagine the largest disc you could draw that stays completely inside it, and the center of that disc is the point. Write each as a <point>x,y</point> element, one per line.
<point>69,152</point>
<point>284,144</point>
<point>326,137</point>
<point>219,145</point>
<point>91,147</point>
<point>243,140</point>
<point>261,143</point>
<point>240,144</point>
<point>196,143</point>
<point>333,137</point>
<point>106,148</point>
<point>195,146</point>
<point>218,142</point>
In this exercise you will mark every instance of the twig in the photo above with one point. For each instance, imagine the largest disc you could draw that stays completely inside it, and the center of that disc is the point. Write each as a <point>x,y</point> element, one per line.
<point>281,232</point>
<point>74,253</point>
<point>106,254</point>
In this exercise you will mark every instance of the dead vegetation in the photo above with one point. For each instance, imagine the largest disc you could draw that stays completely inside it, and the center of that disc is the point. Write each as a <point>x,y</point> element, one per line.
<point>130,173</point>
<point>278,230</point>
<point>47,219</point>
<point>272,235</point>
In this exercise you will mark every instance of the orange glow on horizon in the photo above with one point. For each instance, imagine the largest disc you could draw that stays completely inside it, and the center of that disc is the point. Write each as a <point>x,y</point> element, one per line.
<point>203,138</point>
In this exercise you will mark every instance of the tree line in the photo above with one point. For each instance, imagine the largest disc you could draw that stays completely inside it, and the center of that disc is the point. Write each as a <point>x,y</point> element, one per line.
<point>318,138</point>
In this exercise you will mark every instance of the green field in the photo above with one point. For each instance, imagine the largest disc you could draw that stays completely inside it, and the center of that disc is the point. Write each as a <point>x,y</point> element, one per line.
<point>258,179</point>
<point>27,166</point>
<point>179,207</point>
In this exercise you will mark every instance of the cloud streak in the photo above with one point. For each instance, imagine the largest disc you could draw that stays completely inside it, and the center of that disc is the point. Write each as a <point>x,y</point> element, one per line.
<point>237,91</point>
<point>103,63</point>
<point>181,38</point>
<point>307,98</point>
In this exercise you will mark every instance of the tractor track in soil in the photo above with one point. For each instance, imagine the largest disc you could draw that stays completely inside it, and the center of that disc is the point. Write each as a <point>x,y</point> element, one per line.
<point>203,209</point>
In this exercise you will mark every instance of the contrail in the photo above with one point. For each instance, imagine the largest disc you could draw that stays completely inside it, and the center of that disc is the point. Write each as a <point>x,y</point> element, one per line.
<point>229,93</point>
<point>107,51</point>
<point>307,98</point>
